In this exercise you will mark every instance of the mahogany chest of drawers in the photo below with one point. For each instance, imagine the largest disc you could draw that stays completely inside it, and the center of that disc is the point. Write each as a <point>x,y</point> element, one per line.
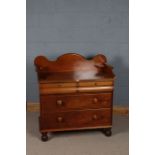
<point>75,93</point>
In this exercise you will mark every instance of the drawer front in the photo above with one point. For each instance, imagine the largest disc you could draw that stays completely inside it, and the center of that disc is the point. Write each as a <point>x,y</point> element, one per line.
<point>75,87</point>
<point>53,103</point>
<point>76,120</point>
<point>98,83</point>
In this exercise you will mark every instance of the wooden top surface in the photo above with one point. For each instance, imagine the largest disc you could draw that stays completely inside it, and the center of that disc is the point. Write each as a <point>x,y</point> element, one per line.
<point>73,67</point>
<point>75,77</point>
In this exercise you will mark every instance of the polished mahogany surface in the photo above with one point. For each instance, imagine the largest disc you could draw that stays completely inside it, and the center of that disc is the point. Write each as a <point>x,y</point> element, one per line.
<point>75,93</point>
<point>73,67</point>
<point>69,62</point>
<point>71,102</point>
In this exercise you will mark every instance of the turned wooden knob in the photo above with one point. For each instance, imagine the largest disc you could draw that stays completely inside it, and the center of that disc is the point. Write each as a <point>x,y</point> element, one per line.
<point>105,102</point>
<point>60,119</point>
<point>95,117</point>
<point>59,102</point>
<point>41,68</point>
<point>95,100</point>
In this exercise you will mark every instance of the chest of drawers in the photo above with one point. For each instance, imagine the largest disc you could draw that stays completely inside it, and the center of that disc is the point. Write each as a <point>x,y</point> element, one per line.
<point>75,93</point>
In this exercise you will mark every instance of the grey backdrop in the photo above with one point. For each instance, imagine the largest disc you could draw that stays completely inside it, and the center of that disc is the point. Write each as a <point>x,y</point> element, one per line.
<point>88,27</point>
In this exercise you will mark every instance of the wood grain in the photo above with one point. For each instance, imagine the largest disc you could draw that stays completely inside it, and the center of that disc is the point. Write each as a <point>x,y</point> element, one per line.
<point>118,110</point>
<point>76,62</point>
<point>75,93</point>
<point>58,103</point>
<point>76,119</point>
<point>72,67</point>
<point>66,90</point>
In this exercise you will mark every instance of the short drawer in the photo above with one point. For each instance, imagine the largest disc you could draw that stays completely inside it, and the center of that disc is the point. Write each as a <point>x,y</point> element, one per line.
<point>76,120</point>
<point>53,103</point>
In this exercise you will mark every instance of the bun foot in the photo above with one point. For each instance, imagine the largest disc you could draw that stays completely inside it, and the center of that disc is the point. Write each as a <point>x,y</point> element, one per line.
<point>44,137</point>
<point>107,132</point>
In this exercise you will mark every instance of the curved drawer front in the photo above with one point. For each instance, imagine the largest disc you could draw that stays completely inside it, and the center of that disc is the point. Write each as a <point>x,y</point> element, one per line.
<point>53,103</point>
<point>98,83</point>
<point>76,119</point>
<point>75,87</point>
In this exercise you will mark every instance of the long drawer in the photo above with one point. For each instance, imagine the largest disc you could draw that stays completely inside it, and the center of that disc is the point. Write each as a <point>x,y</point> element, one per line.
<point>76,120</point>
<point>57,103</point>
<point>75,87</point>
